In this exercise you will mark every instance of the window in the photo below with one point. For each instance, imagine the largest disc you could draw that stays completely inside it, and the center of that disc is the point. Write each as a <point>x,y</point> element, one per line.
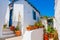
<point>34,15</point>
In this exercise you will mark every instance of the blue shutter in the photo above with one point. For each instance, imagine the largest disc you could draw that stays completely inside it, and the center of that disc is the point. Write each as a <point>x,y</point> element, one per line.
<point>34,15</point>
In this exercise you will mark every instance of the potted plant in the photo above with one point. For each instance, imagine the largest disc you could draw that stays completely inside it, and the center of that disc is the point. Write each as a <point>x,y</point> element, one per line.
<point>17,31</point>
<point>44,17</point>
<point>12,28</point>
<point>40,25</point>
<point>56,35</point>
<point>4,26</point>
<point>46,36</point>
<point>36,25</point>
<point>50,31</point>
<point>30,27</point>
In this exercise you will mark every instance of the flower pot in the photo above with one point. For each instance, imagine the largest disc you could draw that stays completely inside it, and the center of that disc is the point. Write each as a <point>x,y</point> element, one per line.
<point>29,28</point>
<point>41,26</point>
<point>45,36</point>
<point>55,35</point>
<point>12,28</point>
<point>18,33</point>
<point>51,35</point>
<point>35,27</point>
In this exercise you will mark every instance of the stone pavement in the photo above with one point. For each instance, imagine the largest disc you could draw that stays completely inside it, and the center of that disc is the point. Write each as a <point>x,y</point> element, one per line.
<point>13,38</point>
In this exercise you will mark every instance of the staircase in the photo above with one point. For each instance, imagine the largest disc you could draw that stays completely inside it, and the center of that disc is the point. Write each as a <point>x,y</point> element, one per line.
<point>9,35</point>
<point>6,33</point>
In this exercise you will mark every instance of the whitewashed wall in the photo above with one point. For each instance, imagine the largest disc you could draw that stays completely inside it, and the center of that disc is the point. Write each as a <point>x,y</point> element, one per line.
<point>28,16</point>
<point>3,8</point>
<point>18,10</point>
<point>57,16</point>
<point>18,7</point>
<point>7,16</point>
<point>25,11</point>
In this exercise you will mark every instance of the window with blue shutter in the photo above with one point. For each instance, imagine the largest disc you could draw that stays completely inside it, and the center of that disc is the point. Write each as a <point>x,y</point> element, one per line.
<point>34,15</point>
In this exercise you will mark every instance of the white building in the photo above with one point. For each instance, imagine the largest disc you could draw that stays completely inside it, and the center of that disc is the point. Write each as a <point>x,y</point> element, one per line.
<point>26,12</point>
<point>57,17</point>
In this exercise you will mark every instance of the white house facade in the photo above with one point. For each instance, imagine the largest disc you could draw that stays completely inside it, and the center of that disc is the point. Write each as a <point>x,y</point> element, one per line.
<point>26,12</point>
<point>22,8</point>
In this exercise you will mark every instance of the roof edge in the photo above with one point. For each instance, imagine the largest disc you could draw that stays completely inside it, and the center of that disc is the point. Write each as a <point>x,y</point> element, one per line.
<point>32,6</point>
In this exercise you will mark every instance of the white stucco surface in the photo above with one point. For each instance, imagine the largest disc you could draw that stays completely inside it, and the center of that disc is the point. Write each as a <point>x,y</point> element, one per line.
<point>3,8</point>
<point>28,15</point>
<point>18,10</point>
<point>36,34</point>
<point>57,16</point>
<point>14,38</point>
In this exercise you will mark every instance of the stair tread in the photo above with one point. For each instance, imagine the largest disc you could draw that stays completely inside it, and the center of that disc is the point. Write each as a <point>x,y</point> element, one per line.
<point>10,35</point>
<point>15,38</point>
<point>7,31</point>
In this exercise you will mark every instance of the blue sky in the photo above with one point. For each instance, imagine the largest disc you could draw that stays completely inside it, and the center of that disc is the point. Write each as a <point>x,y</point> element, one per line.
<point>46,7</point>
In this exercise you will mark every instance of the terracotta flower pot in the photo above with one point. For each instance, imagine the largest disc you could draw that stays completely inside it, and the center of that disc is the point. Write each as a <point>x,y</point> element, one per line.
<point>35,27</point>
<point>18,33</point>
<point>56,36</point>
<point>51,35</point>
<point>30,28</point>
<point>12,28</point>
<point>45,36</point>
<point>41,26</point>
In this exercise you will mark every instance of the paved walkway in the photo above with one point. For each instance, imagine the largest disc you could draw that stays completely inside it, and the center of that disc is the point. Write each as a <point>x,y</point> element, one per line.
<point>13,38</point>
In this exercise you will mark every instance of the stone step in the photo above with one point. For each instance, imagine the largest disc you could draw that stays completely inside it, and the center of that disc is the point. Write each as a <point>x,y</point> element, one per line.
<point>6,29</point>
<point>7,32</point>
<point>8,35</point>
<point>12,38</point>
<point>15,38</point>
